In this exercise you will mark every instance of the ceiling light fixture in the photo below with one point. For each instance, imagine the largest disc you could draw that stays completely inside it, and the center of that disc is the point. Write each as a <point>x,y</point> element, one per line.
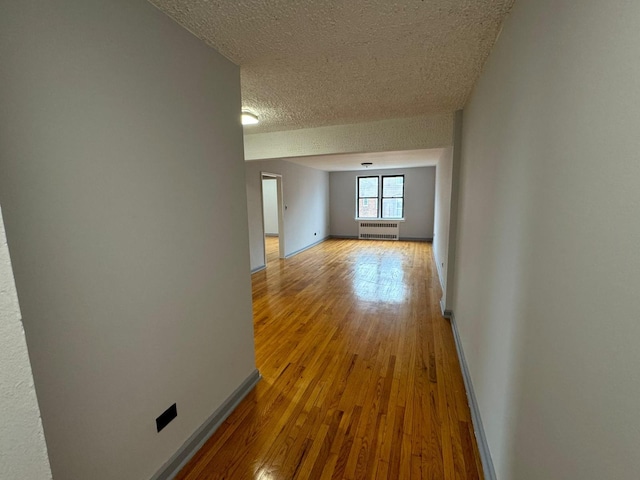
<point>249,118</point>
<point>366,164</point>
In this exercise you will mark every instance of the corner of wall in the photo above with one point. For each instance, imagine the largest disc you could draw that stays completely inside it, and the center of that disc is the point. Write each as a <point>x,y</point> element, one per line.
<point>22,443</point>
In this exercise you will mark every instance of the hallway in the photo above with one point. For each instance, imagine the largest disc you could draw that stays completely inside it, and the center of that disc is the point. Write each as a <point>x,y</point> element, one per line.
<point>360,373</point>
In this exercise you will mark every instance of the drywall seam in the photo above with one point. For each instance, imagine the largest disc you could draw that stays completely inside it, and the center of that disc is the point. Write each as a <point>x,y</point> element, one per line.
<point>201,435</point>
<point>481,439</point>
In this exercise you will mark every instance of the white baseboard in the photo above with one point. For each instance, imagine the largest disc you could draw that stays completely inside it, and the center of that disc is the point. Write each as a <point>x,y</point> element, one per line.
<point>481,439</point>
<point>416,239</point>
<point>404,239</point>
<point>173,466</point>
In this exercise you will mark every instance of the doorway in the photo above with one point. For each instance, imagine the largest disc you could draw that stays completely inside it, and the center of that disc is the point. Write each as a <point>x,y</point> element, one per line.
<point>272,217</point>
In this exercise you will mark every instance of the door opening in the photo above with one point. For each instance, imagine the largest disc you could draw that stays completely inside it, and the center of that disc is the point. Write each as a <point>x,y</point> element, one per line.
<point>272,217</point>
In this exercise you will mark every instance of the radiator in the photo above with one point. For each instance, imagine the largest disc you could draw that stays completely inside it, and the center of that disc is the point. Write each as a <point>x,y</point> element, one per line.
<point>378,230</point>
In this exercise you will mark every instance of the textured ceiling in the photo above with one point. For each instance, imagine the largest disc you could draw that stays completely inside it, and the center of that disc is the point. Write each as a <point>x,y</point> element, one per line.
<point>309,63</point>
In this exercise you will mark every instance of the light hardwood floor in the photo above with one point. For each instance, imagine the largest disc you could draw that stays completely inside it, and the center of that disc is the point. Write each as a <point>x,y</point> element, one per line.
<point>360,374</point>
<point>272,249</point>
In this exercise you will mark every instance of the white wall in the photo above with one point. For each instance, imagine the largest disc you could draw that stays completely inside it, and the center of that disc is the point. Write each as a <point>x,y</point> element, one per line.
<point>23,451</point>
<point>306,196</point>
<point>548,264</point>
<point>270,205</point>
<point>121,157</point>
<point>441,214</point>
<point>418,205</point>
<point>429,131</point>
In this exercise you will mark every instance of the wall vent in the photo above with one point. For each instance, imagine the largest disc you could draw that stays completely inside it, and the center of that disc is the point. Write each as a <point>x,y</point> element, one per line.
<point>378,230</point>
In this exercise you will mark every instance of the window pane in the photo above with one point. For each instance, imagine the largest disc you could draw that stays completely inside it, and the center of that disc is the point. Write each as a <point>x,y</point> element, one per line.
<point>392,207</point>
<point>393,186</point>
<point>368,187</point>
<point>368,208</point>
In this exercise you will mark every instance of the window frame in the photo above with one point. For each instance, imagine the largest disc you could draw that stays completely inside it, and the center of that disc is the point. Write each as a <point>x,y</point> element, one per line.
<point>382,197</point>
<point>358,197</point>
<point>379,198</point>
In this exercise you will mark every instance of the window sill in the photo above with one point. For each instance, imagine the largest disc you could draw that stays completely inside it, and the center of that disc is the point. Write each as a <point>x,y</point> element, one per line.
<point>379,219</point>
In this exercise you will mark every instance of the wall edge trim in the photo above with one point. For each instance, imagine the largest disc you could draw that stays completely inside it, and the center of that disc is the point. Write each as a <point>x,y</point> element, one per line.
<point>443,309</point>
<point>481,439</point>
<point>307,247</point>
<point>257,269</point>
<point>179,459</point>
<point>439,270</point>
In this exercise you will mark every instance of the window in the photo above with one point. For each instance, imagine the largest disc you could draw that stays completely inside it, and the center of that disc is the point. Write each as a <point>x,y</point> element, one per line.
<point>368,197</point>
<point>385,202</point>
<point>393,196</point>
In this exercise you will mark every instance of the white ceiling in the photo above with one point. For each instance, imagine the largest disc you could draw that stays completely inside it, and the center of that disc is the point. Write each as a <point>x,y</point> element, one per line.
<point>380,160</point>
<point>309,63</point>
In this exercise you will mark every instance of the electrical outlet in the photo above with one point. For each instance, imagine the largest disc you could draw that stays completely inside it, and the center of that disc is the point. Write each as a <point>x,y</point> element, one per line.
<point>166,416</point>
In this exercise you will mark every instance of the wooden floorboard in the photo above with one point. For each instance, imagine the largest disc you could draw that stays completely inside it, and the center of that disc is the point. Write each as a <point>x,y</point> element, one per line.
<point>360,374</point>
